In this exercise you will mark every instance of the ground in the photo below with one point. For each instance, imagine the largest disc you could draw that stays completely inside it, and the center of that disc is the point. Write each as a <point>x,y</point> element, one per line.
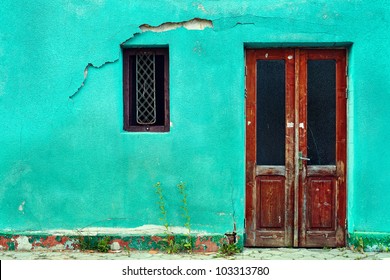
<point>247,254</point>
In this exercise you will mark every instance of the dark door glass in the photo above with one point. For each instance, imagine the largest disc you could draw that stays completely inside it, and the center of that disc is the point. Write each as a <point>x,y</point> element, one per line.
<point>321,112</point>
<point>270,117</point>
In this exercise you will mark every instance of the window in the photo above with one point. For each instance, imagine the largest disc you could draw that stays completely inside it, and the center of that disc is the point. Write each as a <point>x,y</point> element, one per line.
<point>145,89</point>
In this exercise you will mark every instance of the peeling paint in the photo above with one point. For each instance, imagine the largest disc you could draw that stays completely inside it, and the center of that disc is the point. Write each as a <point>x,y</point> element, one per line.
<point>22,243</point>
<point>222,214</point>
<point>202,8</point>
<point>21,207</point>
<point>201,243</point>
<point>94,231</point>
<point>122,243</point>
<point>4,242</point>
<point>115,246</point>
<point>193,24</point>
<point>205,245</point>
<point>70,244</point>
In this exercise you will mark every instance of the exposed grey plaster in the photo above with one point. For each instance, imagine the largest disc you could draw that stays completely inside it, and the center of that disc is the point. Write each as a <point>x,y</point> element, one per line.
<point>21,207</point>
<point>23,243</point>
<point>193,24</point>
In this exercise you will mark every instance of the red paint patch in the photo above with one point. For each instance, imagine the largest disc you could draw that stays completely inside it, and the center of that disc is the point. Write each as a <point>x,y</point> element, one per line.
<point>156,239</point>
<point>4,242</point>
<point>51,241</point>
<point>205,245</point>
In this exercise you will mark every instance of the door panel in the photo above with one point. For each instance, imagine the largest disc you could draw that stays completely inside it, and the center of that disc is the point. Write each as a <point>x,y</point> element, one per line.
<point>269,148</point>
<point>295,147</point>
<point>322,139</point>
<point>272,210</point>
<point>320,199</point>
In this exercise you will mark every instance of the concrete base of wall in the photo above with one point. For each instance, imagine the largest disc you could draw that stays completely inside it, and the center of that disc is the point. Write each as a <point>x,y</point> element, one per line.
<point>209,243</point>
<point>369,242</point>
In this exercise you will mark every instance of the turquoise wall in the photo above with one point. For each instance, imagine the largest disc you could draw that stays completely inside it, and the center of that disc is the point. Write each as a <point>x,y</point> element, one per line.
<point>66,163</point>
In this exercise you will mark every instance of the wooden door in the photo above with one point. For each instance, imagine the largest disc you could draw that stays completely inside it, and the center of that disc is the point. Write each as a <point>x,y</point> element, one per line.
<point>295,147</point>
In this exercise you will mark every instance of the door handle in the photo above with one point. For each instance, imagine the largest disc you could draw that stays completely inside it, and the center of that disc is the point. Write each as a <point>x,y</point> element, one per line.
<point>304,158</point>
<point>301,158</point>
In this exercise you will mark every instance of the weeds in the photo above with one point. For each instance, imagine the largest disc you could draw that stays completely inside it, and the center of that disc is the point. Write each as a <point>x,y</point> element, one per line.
<point>187,244</point>
<point>227,250</point>
<point>87,243</point>
<point>127,250</point>
<point>171,246</point>
<point>103,245</point>
<point>359,246</point>
<point>161,203</point>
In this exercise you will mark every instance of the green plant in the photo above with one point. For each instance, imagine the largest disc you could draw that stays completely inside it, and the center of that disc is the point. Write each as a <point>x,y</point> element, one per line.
<point>86,243</point>
<point>228,249</point>
<point>104,245</point>
<point>127,250</point>
<point>161,203</point>
<point>187,243</point>
<point>358,245</point>
<point>170,244</point>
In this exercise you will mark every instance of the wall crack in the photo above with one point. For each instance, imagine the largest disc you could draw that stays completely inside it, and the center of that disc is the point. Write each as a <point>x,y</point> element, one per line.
<point>86,75</point>
<point>192,24</point>
<point>72,96</point>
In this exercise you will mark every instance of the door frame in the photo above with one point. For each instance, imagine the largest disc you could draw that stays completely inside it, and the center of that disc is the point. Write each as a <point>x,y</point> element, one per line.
<point>295,81</point>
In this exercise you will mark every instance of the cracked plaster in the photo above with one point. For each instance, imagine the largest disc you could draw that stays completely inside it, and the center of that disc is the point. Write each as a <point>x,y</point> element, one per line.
<point>193,24</point>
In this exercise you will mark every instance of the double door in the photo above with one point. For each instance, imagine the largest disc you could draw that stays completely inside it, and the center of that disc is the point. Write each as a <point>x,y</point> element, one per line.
<point>295,147</point>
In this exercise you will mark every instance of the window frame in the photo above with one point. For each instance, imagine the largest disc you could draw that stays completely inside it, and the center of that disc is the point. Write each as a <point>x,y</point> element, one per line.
<point>128,106</point>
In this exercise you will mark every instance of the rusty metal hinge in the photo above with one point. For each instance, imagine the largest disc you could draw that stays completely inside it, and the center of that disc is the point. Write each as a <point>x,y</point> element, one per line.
<point>245,70</point>
<point>246,94</point>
